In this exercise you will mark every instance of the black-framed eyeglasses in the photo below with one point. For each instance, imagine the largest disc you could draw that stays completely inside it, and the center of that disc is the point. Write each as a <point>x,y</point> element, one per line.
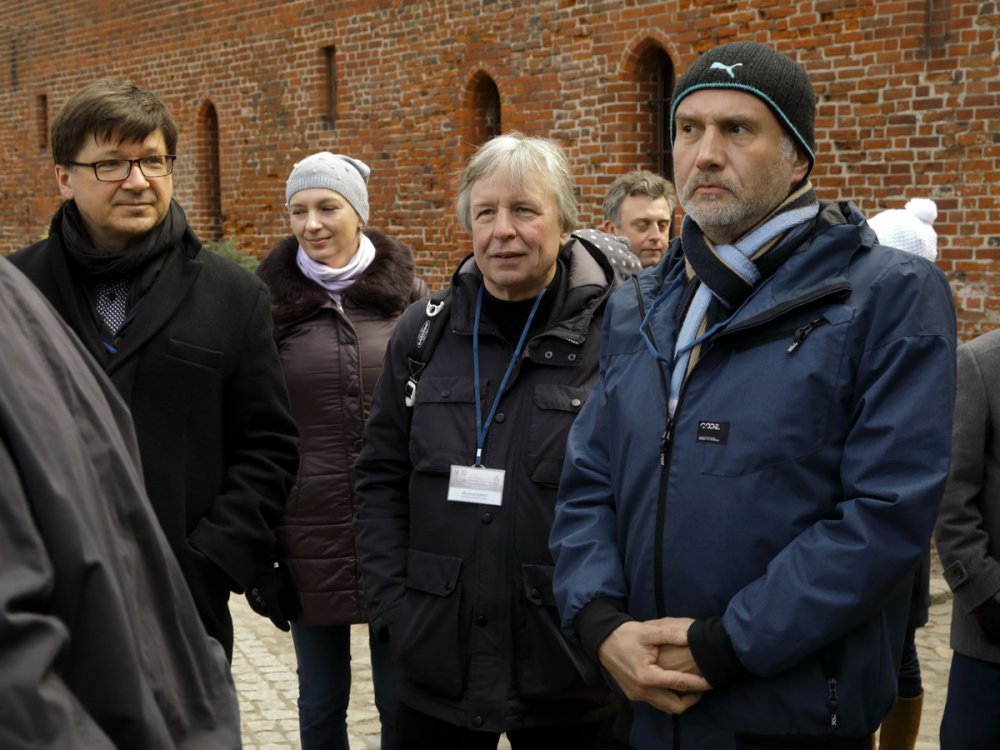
<point>118,170</point>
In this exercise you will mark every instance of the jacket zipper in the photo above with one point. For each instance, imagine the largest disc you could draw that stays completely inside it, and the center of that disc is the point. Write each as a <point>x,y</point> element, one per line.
<point>832,700</point>
<point>801,333</point>
<point>666,440</point>
<point>834,290</point>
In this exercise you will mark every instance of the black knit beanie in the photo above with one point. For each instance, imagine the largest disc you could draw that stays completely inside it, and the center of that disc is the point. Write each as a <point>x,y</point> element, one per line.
<point>777,80</point>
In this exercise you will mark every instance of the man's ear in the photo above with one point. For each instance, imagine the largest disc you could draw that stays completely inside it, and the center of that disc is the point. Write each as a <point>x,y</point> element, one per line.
<point>63,178</point>
<point>800,167</point>
<point>609,228</point>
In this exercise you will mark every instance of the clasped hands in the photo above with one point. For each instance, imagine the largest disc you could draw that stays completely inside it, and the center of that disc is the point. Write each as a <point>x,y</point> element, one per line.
<point>651,662</point>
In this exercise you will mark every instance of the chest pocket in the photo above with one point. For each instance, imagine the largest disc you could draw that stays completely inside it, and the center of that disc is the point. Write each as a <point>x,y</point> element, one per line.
<point>196,355</point>
<point>443,430</point>
<point>554,409</point>
<point>775,406</point>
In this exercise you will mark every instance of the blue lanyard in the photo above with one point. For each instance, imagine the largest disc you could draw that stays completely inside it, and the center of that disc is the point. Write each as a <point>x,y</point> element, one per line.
<point>482,429</point>
<point>647,323</point>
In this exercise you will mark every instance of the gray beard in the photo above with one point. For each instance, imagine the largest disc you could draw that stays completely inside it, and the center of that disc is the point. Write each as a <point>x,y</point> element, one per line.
<point>725,223</point>
<point>715,218</point>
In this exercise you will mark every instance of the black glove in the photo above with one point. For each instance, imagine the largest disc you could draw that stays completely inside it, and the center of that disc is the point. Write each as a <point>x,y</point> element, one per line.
<point>273,596</point>
<point>987,615</point>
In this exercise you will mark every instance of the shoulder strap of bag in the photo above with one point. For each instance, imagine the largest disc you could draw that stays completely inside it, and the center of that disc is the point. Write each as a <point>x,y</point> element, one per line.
<point>428,335</point>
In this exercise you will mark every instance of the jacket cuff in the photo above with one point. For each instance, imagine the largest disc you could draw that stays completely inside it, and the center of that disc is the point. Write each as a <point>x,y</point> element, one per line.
<point>597,621</point>
<point>714,654</point>
<point>239,578</point>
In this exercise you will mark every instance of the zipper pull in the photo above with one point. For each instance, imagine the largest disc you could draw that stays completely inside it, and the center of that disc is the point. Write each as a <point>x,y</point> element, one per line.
<point>665,440</point>
<point>832,700</point>
<point>801,333</point>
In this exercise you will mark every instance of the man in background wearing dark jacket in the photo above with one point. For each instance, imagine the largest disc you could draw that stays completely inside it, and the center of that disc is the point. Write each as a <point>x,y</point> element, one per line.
<point>752,483</point>
<point>639,206</point>
<point>183,334</point>
<point>100,645</point>
<point>968,541</point>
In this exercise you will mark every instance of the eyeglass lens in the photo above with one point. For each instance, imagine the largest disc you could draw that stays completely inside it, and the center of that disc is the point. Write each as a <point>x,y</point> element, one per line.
<point>115,170</point>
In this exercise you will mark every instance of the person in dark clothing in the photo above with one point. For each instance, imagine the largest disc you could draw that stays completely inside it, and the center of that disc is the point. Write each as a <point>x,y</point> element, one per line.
<point>100,643</point>
<point>456,481</point>
<point>337,291</point>
<point>639,206</point>
<point>184,335</point>
<point>968,541</point>
<point>754,479</point>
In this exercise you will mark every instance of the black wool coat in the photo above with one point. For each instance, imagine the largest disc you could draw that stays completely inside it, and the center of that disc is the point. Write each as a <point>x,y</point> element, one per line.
<point>199,371</point>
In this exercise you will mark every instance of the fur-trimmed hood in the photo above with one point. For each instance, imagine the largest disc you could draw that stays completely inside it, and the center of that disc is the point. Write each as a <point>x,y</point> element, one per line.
<point>387,285</point>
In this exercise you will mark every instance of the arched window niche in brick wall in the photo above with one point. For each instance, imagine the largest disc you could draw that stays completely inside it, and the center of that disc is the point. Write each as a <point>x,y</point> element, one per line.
<point>482,118</point>
<point>205,209</point>
<point>487,98</point>
<point>656,83</point>
<point>648,77</point>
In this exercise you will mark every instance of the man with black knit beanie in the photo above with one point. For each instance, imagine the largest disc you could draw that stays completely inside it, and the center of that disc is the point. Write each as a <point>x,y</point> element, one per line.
<point>741,564</point>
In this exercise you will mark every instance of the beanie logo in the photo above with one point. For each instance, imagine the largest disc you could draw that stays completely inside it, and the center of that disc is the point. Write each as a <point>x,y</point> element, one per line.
<point>728,68</point>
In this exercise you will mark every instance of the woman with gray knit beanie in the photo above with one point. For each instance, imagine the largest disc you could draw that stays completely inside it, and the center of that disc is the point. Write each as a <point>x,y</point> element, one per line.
<point>337,290</point>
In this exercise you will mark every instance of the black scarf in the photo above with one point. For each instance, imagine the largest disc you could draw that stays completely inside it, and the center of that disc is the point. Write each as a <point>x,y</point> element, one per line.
<point>96,263</point>
<point>726,284</point>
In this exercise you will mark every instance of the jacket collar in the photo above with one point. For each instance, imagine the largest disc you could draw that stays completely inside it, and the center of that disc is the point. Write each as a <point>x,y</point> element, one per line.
<point>590,279</point>
<point>386,286</point>
<point>818,267</point>
<point>179,270</point>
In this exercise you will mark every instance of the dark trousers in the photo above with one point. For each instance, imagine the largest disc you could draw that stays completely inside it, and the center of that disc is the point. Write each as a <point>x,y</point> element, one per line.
<point>910,683</point>
<point>418,731</point>
<point>324,667</point>
<point>971,720</point>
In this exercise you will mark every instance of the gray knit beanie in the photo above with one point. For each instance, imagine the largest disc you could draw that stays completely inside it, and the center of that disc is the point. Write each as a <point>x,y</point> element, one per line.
<point>336,172</point>
<point>754,68</point>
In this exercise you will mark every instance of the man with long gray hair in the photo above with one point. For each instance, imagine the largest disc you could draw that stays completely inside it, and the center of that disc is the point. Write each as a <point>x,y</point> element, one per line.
<point>457,480</point>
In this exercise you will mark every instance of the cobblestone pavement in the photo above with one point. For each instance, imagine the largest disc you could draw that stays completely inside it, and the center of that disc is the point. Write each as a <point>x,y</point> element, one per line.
<point>264,672</point>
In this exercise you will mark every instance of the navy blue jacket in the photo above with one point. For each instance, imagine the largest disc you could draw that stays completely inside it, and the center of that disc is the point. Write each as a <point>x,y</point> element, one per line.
<point>800,481</point>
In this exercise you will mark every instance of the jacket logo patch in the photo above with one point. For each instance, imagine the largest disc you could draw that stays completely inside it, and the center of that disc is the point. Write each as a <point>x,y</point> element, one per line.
<point>422,333</point>
<point>713,432</point>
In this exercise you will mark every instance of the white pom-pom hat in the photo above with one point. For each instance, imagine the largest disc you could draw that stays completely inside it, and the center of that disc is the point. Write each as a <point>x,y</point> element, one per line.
<point>909,228</point>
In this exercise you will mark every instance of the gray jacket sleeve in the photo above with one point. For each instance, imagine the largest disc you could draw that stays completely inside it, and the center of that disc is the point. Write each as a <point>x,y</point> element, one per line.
<point>100,643</point>
<point>968,526</point>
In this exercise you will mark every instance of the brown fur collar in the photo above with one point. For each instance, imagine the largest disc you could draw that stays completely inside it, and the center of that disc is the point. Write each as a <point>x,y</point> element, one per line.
<point>386,285</point>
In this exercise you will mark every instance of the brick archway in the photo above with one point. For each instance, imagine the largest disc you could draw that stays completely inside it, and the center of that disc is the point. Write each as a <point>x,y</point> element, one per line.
<point>646,78</point>
<point>482,110</point>
<point>205,208</point>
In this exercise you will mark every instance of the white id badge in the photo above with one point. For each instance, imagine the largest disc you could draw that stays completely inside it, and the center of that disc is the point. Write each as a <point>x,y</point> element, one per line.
<point>476,484</point>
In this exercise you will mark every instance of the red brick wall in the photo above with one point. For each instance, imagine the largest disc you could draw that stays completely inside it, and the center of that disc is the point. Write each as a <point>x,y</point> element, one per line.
<point>908,103</point>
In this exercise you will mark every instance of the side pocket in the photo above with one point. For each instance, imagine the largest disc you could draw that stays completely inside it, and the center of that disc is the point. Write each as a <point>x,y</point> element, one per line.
<point>546,665</point>
<point>428,640</point>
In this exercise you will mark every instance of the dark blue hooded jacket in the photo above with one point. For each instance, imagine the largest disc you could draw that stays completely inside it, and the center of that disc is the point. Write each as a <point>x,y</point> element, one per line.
<point>799,483</point>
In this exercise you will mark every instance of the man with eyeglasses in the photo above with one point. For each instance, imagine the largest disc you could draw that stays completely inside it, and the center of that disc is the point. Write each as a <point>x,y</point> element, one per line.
<point>185,336</point>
